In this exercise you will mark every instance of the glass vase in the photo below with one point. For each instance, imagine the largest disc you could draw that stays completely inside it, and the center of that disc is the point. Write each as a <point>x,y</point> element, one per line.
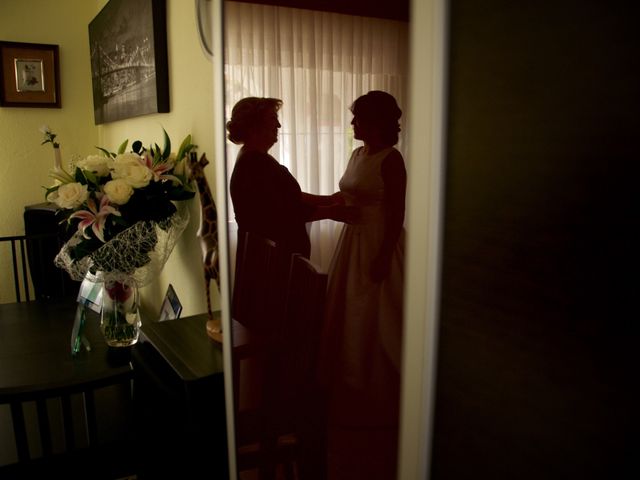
<point>120,318</point>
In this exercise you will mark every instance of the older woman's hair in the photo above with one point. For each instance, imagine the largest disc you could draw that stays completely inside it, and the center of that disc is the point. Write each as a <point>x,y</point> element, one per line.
<point>247,114</point>
<point>380,109</point>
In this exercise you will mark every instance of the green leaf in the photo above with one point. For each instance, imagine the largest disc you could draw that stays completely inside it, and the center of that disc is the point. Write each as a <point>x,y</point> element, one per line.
<point>123,147</point>
<point>119,220</point>
<point>157,155</point>
<point>91,177</point>
<point>180,194</point>
<point>50,190</point>
<point>79,177</point>
<point>185,147</point>
<point>166,151</point>
<point>106,152</point>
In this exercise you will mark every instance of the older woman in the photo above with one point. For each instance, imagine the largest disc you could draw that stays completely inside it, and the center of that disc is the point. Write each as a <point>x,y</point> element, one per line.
<point>268,201</point>
<point>266,198</point>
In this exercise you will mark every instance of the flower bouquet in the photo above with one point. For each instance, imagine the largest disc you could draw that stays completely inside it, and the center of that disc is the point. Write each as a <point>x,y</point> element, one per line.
<point>121,207</point>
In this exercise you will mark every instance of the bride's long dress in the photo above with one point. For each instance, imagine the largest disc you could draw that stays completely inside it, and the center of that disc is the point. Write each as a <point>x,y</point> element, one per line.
<point>360,360</point>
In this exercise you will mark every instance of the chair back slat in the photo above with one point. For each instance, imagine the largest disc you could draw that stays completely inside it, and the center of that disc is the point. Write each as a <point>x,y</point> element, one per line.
<point>14,263</point>
<point>90,417</point>
<point>301,328</point>
<point>23,264</point>
<point>67,422</point>
<point>19,270</point>
<point>19,431</point>
<point>44,426</point>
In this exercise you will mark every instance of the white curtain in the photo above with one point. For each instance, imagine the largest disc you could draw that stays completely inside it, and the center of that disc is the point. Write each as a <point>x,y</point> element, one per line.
<point>318,63</point>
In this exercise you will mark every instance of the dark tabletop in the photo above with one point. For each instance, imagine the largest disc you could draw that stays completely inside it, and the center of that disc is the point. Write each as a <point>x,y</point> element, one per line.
<point>35,351</point>
<point>185,346</point>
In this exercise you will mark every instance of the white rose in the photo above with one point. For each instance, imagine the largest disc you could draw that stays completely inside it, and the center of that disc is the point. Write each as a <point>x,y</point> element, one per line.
<point>70,195</point>
<point>129,167</point>
<point>118,191</point>
<point>127,158</point>
<point>98,164</point>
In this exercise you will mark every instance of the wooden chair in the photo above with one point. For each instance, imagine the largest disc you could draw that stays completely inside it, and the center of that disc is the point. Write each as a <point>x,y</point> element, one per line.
<point>33,275</point>
<point>66,443</point>
<point>289,429</point>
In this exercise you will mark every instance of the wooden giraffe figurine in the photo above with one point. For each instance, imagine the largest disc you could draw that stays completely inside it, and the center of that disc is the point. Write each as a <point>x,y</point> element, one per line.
<point>208,234</point>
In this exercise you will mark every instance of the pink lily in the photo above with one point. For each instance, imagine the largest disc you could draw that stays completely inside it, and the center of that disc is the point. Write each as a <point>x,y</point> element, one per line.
<point>95,217</point>
<point>160,169</point>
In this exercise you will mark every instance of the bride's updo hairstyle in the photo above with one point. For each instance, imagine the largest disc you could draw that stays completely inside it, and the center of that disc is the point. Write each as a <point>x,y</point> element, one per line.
<point>379,109</point>
<point>247,115</point>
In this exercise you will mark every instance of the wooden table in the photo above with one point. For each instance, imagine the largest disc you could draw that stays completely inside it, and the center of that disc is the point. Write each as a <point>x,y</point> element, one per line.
<point>177,370</point>
<point>180,396</point>
<point>35,351</point>
<point>194,361</point>
<point>185,346</point>
<point>36,364</point>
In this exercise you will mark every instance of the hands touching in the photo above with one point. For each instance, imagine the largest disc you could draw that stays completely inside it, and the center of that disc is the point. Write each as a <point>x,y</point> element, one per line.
<point>343,212</point>
<point>338,198</point>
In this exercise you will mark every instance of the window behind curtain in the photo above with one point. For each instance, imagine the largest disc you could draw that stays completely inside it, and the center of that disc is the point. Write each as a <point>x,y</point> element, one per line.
<point>318,63</point>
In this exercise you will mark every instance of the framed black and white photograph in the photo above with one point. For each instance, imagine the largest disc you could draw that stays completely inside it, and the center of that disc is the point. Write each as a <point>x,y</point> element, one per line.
<point>29,75</point>
<point>129,70</point>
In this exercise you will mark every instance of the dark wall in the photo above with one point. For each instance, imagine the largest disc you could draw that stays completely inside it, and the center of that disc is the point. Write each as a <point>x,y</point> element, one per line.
<point>535,375</point>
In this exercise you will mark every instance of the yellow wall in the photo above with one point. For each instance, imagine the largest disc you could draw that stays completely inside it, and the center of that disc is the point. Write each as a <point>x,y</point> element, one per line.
<point>24,163</point>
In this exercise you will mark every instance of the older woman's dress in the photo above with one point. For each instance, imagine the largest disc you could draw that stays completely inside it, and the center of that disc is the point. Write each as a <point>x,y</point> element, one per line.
<point>267,200</point>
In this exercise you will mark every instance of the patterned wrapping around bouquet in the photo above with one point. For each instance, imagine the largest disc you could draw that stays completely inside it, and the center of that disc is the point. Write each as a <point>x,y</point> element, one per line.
<point>135,256</point>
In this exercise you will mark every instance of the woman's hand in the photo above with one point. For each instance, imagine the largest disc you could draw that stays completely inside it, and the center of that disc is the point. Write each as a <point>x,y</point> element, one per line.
<point>345,213</point>
<point>337,198</point>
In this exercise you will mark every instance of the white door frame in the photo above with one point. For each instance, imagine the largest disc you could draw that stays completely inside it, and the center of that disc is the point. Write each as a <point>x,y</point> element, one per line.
<point>425,169</point>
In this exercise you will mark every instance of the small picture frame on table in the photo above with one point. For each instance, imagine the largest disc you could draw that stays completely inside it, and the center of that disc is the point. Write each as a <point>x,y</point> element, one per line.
<point>171,307</point>
<point>29,75</point>
<point>90,295</point>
